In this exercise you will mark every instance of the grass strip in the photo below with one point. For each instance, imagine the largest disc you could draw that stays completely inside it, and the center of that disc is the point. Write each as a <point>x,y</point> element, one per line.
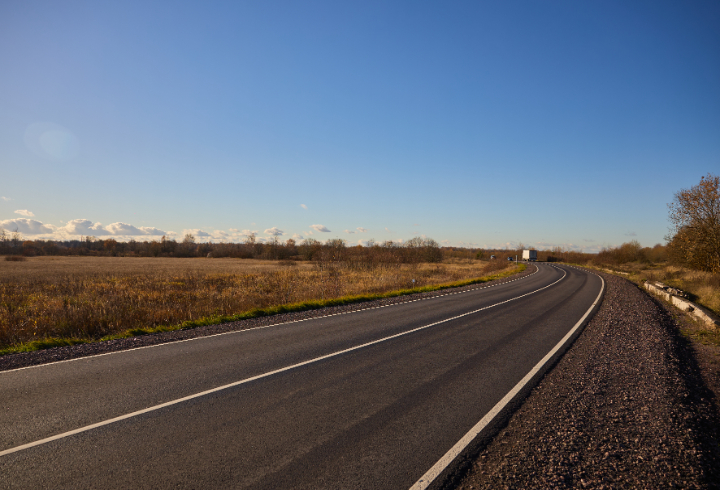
<point>51,342</point>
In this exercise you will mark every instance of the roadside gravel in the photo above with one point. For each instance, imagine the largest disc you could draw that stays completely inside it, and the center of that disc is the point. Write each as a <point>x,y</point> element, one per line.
<point>14,361</point>
<point>626,407</point>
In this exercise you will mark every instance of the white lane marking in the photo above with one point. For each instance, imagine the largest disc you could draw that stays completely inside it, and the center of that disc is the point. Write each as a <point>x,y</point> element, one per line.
<point>254,378</point>
<point>426,480</point>
<point>165,344</point>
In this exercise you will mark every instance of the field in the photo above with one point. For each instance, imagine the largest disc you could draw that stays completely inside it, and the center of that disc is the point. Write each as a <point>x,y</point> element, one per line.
<point>96,297</point>
<point>703,287</point>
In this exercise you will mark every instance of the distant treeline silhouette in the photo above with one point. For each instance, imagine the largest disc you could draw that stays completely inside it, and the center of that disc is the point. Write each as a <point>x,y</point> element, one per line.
<point>336,250</point>
<point>417,250</point>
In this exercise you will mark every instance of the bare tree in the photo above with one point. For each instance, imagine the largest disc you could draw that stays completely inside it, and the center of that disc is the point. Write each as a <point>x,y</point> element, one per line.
<point>695,232</point>
<point>16,239</point>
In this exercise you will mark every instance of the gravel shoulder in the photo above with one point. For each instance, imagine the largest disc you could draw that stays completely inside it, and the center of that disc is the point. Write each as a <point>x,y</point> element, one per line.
<point>628,406</point>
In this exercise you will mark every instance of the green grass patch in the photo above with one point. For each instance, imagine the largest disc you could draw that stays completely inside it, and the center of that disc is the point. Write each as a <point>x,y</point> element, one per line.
<point>42,344</point>
<point>706,337</point>
<point>255,313</point>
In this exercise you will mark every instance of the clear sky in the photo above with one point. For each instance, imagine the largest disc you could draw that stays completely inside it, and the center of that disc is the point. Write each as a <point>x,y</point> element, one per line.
<point>485,124</point>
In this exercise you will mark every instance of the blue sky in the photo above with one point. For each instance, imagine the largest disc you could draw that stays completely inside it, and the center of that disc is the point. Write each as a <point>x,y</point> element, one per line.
<point>480,124</point>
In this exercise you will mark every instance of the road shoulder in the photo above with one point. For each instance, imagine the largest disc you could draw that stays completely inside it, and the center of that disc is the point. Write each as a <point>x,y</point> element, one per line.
<point>626,407</point>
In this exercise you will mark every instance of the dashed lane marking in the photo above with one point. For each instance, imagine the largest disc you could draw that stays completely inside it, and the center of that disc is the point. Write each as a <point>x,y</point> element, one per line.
<point>259,376</point>
<point>537,269</point>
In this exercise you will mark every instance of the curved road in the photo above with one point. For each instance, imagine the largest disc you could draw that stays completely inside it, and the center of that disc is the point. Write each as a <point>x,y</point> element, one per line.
<point>369,399</point>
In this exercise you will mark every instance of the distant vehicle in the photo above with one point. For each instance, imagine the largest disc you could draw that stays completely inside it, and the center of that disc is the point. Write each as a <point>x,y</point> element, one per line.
<point>510,259</point>
<point>492,257</point>
<point>530,255</point>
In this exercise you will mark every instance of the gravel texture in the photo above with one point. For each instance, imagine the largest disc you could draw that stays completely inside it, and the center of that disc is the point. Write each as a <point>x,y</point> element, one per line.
<point>14,361</point>
<point>626,407</point>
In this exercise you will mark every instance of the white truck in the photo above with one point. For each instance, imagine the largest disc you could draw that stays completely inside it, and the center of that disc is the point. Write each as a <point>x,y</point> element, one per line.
<point>530,255</point>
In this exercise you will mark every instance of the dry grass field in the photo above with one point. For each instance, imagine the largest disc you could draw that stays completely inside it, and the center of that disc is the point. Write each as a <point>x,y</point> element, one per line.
<point>94,297</point>
<point>704,287</point>
<point>49,267</point>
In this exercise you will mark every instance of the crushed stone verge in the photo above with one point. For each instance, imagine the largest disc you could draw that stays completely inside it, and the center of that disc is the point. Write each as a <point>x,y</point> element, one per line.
<point>25,359</point>
<point>626,407</point>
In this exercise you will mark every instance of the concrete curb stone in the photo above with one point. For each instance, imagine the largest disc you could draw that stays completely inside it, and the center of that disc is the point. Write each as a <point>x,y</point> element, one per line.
<point>674,296</point>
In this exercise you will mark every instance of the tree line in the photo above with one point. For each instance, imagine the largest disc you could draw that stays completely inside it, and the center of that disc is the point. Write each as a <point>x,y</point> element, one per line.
<point>413,251</point>
<point>693,242</point>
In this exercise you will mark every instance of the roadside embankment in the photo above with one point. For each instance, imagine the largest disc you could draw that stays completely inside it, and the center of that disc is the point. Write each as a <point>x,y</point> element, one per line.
<point>679,299</point>
<point>626,407</point>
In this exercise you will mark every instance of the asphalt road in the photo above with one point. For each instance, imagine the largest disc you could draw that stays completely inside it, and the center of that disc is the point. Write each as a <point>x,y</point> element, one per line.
<point>368,399</point>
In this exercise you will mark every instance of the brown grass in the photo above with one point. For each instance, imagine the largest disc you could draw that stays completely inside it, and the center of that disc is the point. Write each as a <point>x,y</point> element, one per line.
<point>49,267</point>
<point>704,287</point>
<point>92,297</point>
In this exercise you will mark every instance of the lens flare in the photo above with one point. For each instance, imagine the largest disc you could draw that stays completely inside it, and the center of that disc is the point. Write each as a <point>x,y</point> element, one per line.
<point>51,141</point>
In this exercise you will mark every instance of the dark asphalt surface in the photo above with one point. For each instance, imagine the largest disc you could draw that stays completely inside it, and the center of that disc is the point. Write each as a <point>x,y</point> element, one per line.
<point>376,417</point>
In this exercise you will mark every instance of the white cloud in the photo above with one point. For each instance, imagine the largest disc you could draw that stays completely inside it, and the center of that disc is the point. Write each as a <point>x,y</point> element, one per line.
<point>151,230</point>
<point>5,198</point>
<point>350,232</point>
<point>197,233</point>
<point>361,229</point>
<point>298,237</point>
<point>248,232</point>
<point>86,227</point>
<point>386,229</point>
<point>320,228</point>
<point>26,226</point>
<point>274,231</point>
<point>24,212</point>
<point>83,227</point>
<point>303,206</point>
<point>130,230</point>
<point>80,227</point>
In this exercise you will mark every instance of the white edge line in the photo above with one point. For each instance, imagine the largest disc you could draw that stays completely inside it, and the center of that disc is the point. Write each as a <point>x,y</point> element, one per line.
<point>254,378</point>
<point>164,344</point>
<point>427,479</point>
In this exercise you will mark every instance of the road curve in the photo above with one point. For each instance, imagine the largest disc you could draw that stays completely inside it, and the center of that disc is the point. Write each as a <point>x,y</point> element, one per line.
<point>369,399</point>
